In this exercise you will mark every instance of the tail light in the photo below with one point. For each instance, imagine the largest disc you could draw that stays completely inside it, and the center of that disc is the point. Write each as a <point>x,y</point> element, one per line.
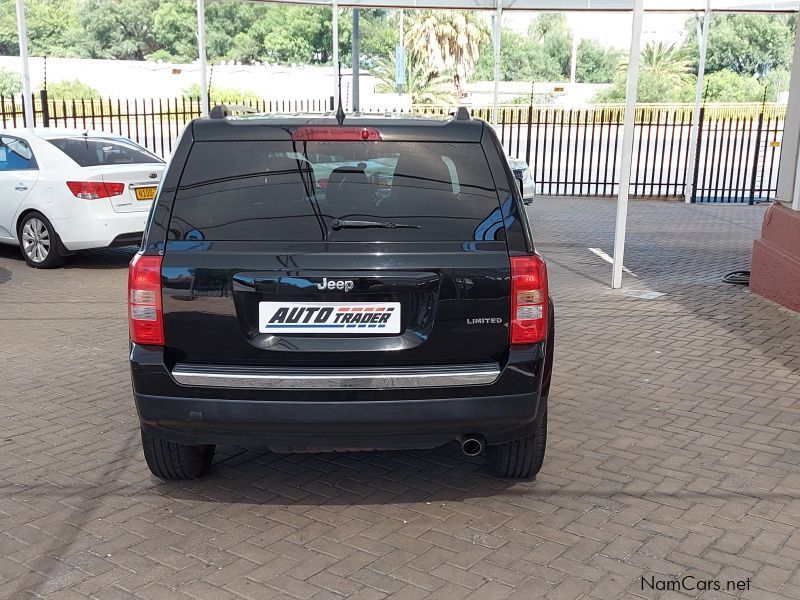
<point>336,134</point>
<point>145,315</point>
<point>92,190</point>
<point>529,299</point>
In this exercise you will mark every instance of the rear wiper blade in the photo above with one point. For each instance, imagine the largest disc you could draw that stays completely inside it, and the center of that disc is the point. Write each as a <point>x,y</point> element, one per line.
<point>344,223</point>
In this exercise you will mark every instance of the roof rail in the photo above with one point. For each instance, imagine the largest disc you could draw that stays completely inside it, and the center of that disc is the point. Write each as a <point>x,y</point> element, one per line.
<point>460,113</point>
<point>220,111</point>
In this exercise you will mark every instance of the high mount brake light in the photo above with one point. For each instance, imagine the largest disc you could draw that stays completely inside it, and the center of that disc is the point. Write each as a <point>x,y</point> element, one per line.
<point>336,134</point>
<point>92,190</point>
<point>145,313</point>
<point>529,299</point>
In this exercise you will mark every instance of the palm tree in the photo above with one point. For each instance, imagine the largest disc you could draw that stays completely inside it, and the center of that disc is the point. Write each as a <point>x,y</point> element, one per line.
<point>667,62</point>
<point>425,87</point>
<point>449,40</point>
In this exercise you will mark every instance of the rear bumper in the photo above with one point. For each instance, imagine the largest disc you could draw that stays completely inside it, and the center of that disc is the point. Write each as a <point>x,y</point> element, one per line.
<point>317,419</point>
<point>95,224</point>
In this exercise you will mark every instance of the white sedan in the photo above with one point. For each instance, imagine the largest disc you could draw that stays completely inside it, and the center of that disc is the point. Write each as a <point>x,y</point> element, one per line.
<point>68,190</point>
<point>523,175</point>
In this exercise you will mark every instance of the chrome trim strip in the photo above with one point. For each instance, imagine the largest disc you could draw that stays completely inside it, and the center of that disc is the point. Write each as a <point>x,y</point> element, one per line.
<point>338,379</point>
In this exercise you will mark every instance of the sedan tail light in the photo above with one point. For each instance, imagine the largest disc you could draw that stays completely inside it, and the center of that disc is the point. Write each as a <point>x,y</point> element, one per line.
<point>145,314</point>
<point>92,190</point>
<point>529,299</point>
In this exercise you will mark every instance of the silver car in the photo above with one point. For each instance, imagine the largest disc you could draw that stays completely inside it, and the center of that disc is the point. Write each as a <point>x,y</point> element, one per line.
<point>522,173</point>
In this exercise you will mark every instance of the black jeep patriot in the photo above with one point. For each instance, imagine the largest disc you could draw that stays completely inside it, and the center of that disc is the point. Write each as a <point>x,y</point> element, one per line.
<point>306,285</point>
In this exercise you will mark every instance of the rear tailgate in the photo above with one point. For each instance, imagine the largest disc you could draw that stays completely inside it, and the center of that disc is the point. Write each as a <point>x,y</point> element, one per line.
<point>453,307</point>
<point>262,268</point>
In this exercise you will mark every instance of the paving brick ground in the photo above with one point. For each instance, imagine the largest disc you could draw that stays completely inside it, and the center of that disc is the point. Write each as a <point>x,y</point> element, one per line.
<point>674,449</point>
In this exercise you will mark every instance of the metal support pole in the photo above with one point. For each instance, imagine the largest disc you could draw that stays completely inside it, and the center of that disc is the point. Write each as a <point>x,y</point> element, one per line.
<point>400,57</point>
<point>789,170</point>
<point>27,94</point>
<point>573,63</point>
<point>335,28</point>
<point>498,19</point>
<point>627,143</point>
<point>402,33</point>
<point>694,138</point>
<point>201,51</point>
<point>356,43</point>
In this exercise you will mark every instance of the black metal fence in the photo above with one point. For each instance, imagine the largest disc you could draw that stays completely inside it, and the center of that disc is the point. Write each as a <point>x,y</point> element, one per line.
<point>155,123</point>
<point>577,151</point>
<point>572,151</point>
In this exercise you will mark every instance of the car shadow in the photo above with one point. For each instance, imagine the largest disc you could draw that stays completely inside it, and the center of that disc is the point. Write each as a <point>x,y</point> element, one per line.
<point>105,258</point>
<point>254,475</point>
<point>9,252</point>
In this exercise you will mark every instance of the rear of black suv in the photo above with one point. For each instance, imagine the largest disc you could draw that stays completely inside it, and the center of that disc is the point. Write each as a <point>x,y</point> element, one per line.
<point>310,286</point>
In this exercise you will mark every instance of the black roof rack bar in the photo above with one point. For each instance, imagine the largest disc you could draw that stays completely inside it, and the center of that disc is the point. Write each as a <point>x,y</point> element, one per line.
<point>220,111</point>
<point>460,113</point>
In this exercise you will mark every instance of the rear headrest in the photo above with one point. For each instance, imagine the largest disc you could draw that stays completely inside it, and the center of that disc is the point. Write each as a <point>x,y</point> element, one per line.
<point>285,166</point>
<point>415,171</point>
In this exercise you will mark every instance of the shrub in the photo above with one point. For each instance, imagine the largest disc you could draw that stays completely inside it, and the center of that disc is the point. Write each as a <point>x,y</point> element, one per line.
<point>10,82</point>
<point>71,89</point>
<point>226,95</point>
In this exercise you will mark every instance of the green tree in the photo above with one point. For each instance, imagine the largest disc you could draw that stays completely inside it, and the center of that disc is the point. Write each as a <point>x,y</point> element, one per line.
<point>652,89</point>
<point>53,27</point>
<point>728,86</point>
<point>748,44</point>
<point>596,63</point>
<point>70,89</point>
<point>668,62</point>
<point>379,33</point>
<point>121,29</point>
<point>544,54</point>
<point>553,34</point>
<point>174,30</point>
<point>522,58</point>
<point>8,28</point>
<point>450,41</point>
<point>424,87</point>
<point>166,30</point>
<point>664,76</point>
<point>10,82</point>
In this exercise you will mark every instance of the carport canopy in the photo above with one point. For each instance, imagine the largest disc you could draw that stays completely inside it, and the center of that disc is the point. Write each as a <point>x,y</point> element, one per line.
<point>789,181</point>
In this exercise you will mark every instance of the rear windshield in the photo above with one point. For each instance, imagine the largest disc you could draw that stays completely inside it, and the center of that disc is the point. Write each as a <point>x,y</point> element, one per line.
<point>335,191</point>
<point>96,152</point>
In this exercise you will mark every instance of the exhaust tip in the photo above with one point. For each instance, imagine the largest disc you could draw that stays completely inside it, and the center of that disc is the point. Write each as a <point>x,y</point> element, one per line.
<point>471,445</point>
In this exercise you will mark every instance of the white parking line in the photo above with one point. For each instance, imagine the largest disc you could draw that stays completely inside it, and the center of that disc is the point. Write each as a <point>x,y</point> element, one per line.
<point>609,260</point>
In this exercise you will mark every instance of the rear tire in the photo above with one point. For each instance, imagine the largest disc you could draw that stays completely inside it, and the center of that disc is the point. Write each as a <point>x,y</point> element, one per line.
<point>41,247</point>
<point>520,459</point>
<point>168,460</point>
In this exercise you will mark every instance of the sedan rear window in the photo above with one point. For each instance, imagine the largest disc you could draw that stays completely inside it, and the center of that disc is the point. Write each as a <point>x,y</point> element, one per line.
<point>335,191</point>
<point>96,151</point>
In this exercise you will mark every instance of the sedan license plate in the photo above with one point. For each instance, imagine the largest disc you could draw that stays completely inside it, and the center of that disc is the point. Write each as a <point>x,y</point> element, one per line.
<point>146,193</point>
<point>328,317</point>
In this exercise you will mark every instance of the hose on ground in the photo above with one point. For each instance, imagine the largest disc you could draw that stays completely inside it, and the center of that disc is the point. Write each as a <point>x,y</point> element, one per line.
<point>739,277</point>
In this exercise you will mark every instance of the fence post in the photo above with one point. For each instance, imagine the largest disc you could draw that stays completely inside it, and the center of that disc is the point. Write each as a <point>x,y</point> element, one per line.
<point>698,146</point>
<point>528,139</point>
<point>756,156</point>
<point>25,118</point>
<point>45,109</point>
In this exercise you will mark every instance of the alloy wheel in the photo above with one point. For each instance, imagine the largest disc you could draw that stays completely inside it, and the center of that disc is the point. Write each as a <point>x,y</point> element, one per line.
<point>35,240</point>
